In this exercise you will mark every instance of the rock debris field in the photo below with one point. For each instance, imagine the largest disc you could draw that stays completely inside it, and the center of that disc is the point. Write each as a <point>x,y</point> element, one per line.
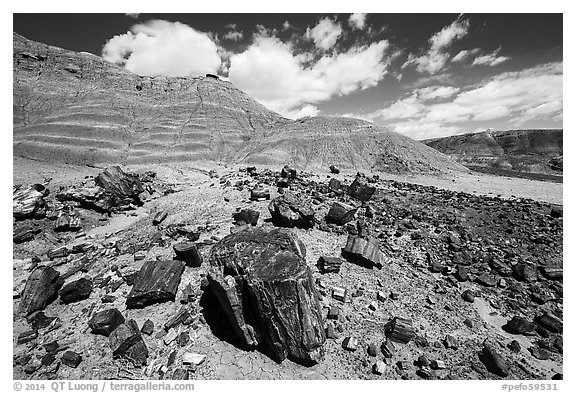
<point>275,273</point>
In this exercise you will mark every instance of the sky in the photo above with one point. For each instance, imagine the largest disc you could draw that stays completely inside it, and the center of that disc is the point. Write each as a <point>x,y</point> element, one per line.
<point>423,75</point>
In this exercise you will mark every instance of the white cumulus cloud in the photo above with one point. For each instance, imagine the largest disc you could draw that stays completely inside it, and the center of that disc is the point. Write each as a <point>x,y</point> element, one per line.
<point>437,56</point>
<point>491,59</point>
<point>159,47</point>
<point>233,34</point>
<point>357,21</point>
<point>270,71</point>
<point>325,33</point>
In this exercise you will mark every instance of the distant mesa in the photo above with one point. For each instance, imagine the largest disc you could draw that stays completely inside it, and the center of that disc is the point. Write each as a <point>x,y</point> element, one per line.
<point>80,109</point>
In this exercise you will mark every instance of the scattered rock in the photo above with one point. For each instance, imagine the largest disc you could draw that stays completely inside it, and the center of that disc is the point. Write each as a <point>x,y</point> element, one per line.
<point>379,367</point>
<point>29,202</point>
<point>469,296</point>
<point>193,358</point>
<point>159,217</point>
<point>334,169</point>
<point>400,330</point>
<point>27,336</point>
<point>104,322</point>
<point>147,327</point>
<point>126,341</point>
<point>288,210</point>
<point>71,359</point>
<point>350,343</point>
<point>41,288</point>
<point>157,282</point>
<point>519,325</point>
<point>494,361</point>
<point>364,252</point>
<point>248,216</point>
<point>549,322</point>
<point>76,291</point>
<point>340,213</point>
<point>340,294</point>
<point>259,194</point>
<point>360,189</point>
<point>188,253</point>
<point>514,346</point>
<point>329,264</point>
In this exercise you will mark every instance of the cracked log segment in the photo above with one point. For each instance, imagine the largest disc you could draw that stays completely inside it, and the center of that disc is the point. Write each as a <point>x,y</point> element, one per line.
<point>41,288</point>
<point>364,252</point>
<point>288,210</point>
<point>125,188</point>
<point>265,288</point>
<point>156,282</point>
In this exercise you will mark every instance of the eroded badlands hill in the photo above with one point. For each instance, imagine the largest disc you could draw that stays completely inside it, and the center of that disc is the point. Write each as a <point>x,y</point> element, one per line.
<point>77,108</point>
<point>535,151</point>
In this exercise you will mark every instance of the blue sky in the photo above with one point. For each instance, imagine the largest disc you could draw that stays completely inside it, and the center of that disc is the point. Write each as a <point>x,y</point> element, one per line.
<point>423,75</point>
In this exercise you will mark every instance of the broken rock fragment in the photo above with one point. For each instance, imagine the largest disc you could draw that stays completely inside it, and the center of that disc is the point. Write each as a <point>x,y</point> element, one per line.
<point>104,322</point>
<point>288,210</point>
<point>364,252</point>
<point>400,330</point>
<point>188,253</point>
<point>76,290</point>
<point>41,288</point>
<point>360,189</point>
<point>340,213</point>
<point>126,341</point>
<point>156,282</point>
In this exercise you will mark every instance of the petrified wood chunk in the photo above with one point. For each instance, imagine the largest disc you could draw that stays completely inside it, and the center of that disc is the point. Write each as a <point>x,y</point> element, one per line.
<point>115,181</point>
<point>334,169</point>
<point>249,216</point>
<point>360,189</point>
<point>365,252</point>
<point>22,235</point>
<point>341,213</point>
<point>400,330</point>
<point>265,288</point>
<point>157,282</point>
<point>188,253</point>
<point>259,193</point>
<point>104,322</point>
<point>288,210</point>
<point>76,290</point>
<point>94,198</point>
<point>159,217</point>
<point>126,341</point>
<point>29,202</point>
<point>41,288</point>
<point>329,264</point>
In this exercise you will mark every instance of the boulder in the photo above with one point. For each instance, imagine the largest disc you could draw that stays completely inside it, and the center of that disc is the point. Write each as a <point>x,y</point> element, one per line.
<point>104,322</point>
<point>188,253</point>
<point>549,322</point>
<point>340,213</point>
<point>41,288</point>
<point>364,252</point>
<point>29,202</point>
<point>360,189</point>
<point>76,290</point>
<point>267,292</point>
<point>288,210</point>
<point>156,282</point>
<point>334,169</point>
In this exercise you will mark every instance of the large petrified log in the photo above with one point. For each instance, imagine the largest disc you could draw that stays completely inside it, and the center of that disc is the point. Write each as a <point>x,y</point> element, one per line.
<point>29,202</point>
<point>188,253</point>
<point>360,189</point>
<point>364,251</point>
<point>156,282</point>
<point>288,210</point>
<point>266,290</point>
<point>340,213</point>
<point>41,288</point>
<point>94,198</point>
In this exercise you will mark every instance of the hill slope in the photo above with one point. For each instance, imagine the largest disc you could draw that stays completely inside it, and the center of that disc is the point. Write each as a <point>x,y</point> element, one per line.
<point>534,151</point>
<point>77,108</point>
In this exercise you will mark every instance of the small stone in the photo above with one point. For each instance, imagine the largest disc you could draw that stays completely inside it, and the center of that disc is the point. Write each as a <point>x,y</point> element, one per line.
<point>339,294</point>
<point>514,346</point>
<point>27,336</point>
<point>193,358</point>
<point>350,343</point>
<point>372,350</point>
<point>48,359</point>
<point>381,296</point>
<point>379,367</point>
<point>450,342</point>
<point>468,322</point>
<point>494,362</point>
<point>387,349</point>
<point>468,295</point>
<point>394,296</point>
<point>437,365</point>
<point>333,312</point>
<point>147,328</point>
<point>139,256</point>
<point>329,264</point>
<point>170,337</point>
<point>331,331</point>
<point>180,374</point>
<point>71,359</point>
<point>183,339</point>
<point>424,372</point>
<point>373,306</point>
<point>423,361</point>
<point>104,322</point>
